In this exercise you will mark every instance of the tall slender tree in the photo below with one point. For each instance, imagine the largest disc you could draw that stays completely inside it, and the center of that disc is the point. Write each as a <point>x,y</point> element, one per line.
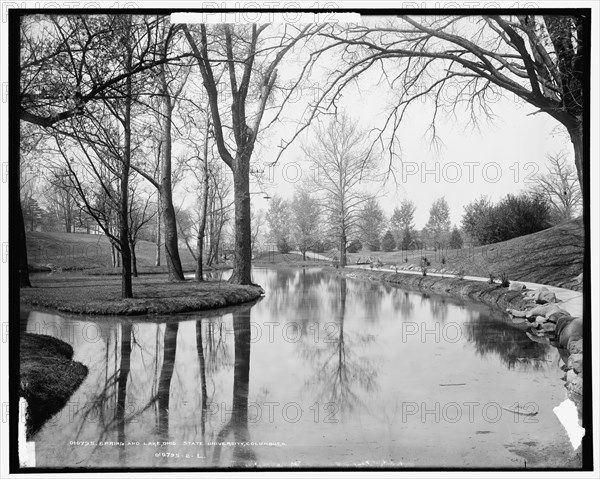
<point>248,67</point>
<point>343,163</point>
<point>438,225</point>
<point>68,64</point>
<point>559,186</point>
<point>402,219</point>
<point>306,219</point>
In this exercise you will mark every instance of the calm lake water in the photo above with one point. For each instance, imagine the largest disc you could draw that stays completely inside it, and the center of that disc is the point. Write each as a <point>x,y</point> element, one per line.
<point>323,371</point>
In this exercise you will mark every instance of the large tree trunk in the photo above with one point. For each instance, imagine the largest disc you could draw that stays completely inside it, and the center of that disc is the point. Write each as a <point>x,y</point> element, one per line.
<point>166,195</point>
<point>124,367</point>
<point>202,227</point>
<point>189,247</point>
<point>241,373</point>
<point>199,276</point>
<point>342,250</point>
<point>171,241</point>
<point>217,240</point>
<point>24,281</point>
<point>576,134</point>
<point>241,455</point>
<point>200,350</point>
<point>126,286</point>
<point>134,270</point>
<point>158,235</point>
<point>113,255</point>
<point>22,247</point>
<point>166,374</point>
<point>238,424</point>
<point>242,261</point>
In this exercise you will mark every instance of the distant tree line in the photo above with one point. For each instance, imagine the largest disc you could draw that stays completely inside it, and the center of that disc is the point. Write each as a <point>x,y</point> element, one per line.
<point>301,223</point>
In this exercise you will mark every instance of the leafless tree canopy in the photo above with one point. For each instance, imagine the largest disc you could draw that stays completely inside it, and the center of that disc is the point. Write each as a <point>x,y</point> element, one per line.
<point>342,160</point>
<point>560,188</point>
<point>539,59</point>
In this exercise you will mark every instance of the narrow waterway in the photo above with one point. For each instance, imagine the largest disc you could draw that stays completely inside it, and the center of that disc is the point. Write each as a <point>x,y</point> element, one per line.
<point>323,371</point>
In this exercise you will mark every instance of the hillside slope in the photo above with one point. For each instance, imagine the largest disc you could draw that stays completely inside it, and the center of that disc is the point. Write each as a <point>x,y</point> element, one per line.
<point>80,251</point>
<point>553,256</point>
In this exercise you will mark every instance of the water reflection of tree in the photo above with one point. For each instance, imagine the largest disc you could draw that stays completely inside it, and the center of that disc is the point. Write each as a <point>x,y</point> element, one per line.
<point>203,393</point>
<point>243,454</point>
<point>218,354</point>
<point>511,344</point>
<point>124,369</point>
<point>402,302</point>
<point>114,392</point>
<point>339,371</point>
<point>371,297</point>
<point>281,285</point>
<point>109,409</point>
<point>439,308</point>
<point>164,381</point>
<point>302,302</point>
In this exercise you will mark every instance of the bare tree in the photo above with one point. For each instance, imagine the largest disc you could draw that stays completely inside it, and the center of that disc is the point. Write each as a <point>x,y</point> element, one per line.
<point>201,164</point>
<point>187,228</point>
<point>343,162</point>
<point>140,215</point>
<point>248,65</point>
<point>170,95</point>
<point>205,220</point>
<point>538,59</point>
<point>65,63</point>
<point>94,182</point>
<point>61,197</point>
<point>258,221</point>
<point>103,139</point>
<point>560,187</point>
<point>199,276</point>
<point>219,211</point>
<point>69,62</point>
<point>402,219</point>
<point>30,139</point>
<point>170,82</point>
<point>371,224</point>
<point>438,225</point>
<point>279,218</point>
<point>306,220</point>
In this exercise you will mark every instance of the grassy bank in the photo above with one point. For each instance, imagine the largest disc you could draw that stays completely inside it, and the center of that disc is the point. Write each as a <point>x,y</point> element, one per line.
<point>553,256</point>
<point>48,377</point>
<point>152,295</point>
<point>492,294</point>
<point>90,253</point>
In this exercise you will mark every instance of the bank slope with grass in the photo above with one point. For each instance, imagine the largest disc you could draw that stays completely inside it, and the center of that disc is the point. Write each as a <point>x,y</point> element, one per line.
<point>48,377</point>
<point>153,294</point>
<point>88,252</point>
<point>554,256</point>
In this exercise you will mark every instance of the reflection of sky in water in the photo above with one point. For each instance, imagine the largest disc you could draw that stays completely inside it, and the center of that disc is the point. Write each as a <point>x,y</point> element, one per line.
<point>343,372</point>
